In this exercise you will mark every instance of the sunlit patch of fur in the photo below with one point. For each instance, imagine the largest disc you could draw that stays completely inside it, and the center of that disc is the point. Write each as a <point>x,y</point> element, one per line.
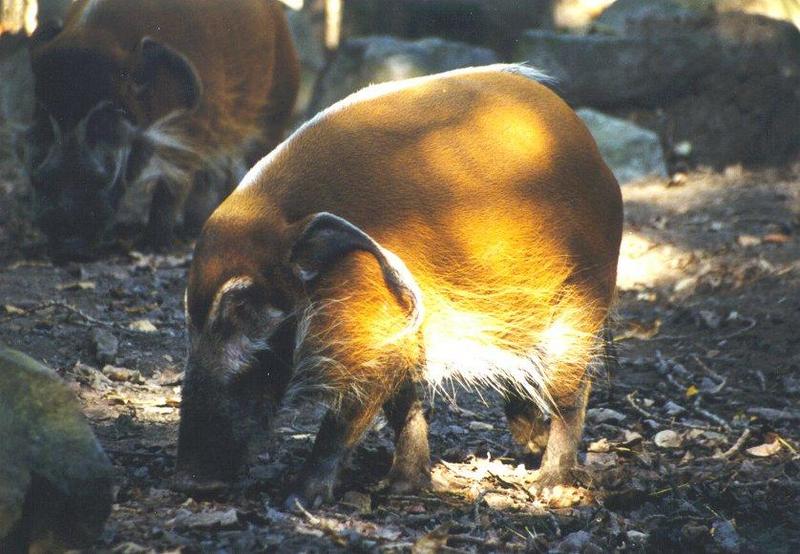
<point>519,326</point>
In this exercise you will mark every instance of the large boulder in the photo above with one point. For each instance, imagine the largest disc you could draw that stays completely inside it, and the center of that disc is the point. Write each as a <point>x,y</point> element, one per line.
<point>492,23</point>
<point>787,10</point>
<point>631,152</point>
<point>55,479</point>
<point>364,61</point>
<point>307,27</point>
<point>726,83</point>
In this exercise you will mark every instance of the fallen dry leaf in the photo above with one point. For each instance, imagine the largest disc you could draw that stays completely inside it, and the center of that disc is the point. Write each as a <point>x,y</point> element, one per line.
<point>13,310</point>
<point>766,449</point>
<point>776,238</point>
<point>77,285</point>
<point>144,326</point>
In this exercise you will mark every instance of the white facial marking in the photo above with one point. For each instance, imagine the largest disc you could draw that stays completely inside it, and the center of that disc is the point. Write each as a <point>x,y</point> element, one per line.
<point>235,283</point>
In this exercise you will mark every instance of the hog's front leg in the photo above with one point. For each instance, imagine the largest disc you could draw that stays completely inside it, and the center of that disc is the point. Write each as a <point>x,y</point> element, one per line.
<point>566,429</point>
<point>341,429</point>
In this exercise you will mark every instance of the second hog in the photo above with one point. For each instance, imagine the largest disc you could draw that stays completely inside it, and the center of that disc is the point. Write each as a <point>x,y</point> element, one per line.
<point>458,227</point>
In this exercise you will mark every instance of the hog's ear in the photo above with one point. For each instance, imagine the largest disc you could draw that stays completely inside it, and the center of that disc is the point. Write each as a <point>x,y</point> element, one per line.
<point>165,74</point>
<point>326,238</point>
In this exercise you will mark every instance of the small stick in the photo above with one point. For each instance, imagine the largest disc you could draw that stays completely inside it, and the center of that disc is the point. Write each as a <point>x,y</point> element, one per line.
<point>708,415</point>
<point>751,323</point>
<point>736,446</point>
<point>76,311</point>
<point>308,516</point>
<point>711,372</point>
<point>648,415</point>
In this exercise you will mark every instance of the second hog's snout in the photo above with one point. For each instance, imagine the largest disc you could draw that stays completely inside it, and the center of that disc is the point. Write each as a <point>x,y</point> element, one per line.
<point>458,227</point>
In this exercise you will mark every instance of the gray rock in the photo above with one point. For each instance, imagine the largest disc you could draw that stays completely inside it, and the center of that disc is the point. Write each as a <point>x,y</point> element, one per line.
<point>123,374</point>
<point>728,84</point>
<point>631,152</point>
<point>215,519</point>
<point>89,376</point>
<point>725,536</point>
<point>50,460</point>
<point>611,71</point>
<point>574,542</point>
<point>776,9</point>
<point>307,28</point>
<point>16,82</point>
<point>604,415</point>
<point>494,24</point>
<point>626,17</point>
<point>364,61</point>
<point>105,346</point>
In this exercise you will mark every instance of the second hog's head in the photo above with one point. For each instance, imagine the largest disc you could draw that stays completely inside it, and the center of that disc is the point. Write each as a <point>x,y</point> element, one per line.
<point>95,129</point>
<point>246,308</point>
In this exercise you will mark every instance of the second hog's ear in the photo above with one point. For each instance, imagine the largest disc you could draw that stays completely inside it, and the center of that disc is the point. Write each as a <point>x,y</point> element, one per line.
<point>165,76</point>
<point>326,238</point>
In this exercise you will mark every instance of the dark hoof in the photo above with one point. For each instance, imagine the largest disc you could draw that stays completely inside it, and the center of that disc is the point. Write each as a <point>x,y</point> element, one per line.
<point>403,484</point>
<point>547,478</point>
<point>311,493</point>
<point>194,486</point>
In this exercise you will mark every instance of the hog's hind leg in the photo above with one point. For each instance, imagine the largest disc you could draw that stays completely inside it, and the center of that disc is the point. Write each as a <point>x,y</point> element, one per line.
<point>566,429</point>
<point>411,469</point>
<point>526,423</point>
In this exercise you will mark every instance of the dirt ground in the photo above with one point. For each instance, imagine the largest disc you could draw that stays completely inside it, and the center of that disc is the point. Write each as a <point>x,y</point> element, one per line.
<point>691,444</point>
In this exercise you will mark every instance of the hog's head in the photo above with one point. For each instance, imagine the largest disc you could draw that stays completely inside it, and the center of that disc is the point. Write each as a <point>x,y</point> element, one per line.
<point>92,134</point>
<point>246,302</point>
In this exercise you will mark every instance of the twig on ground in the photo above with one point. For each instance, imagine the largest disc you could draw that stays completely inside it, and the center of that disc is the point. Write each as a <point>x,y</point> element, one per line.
<point>59,304</point>
<point>630,398</point>
<point>721,381</point>
<point>308,516</point>
<point>709,415</point>
<point>751,323</point>
<point>513,485</point>
<point>736,446</point>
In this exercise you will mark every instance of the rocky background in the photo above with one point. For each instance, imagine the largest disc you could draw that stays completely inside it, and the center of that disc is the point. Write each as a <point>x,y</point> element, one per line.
<point>692,441</point>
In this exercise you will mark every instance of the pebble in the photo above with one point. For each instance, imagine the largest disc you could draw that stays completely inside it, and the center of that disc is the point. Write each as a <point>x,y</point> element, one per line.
<point>725,536</point>
<point>89,376</point>
<point>637,538</point>
<point>143,326</point>
<point>121,374</point>
<point>105,345</point>
<point>574,542</point>
<point>673,409</point>
<point>667,439</point>
<point>480,426</point>
<point>215,519</point>
<point>360,501</point>
<point>604,415</point>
